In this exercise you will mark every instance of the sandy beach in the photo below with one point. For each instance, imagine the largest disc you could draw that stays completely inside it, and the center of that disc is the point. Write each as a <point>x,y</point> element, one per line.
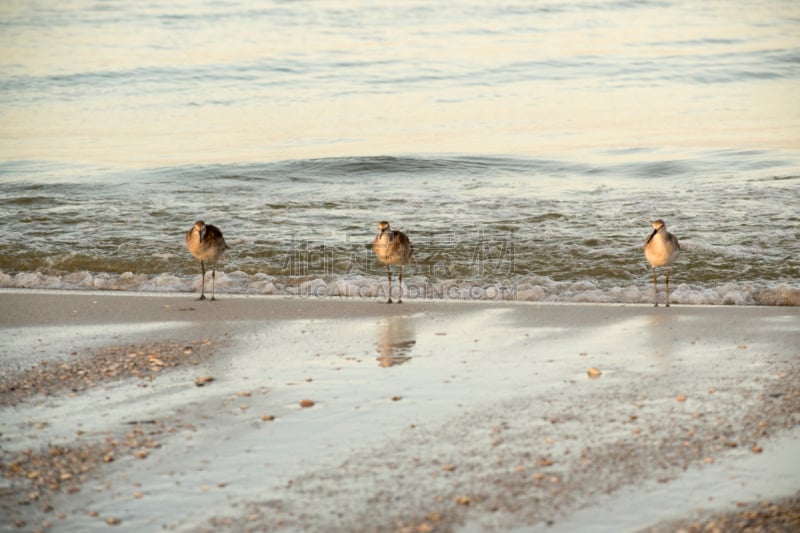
<point>160,412</point>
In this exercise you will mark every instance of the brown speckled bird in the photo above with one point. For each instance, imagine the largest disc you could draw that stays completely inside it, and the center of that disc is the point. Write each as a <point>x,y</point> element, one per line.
<point>661,249</point>
<point>392,248</point>
<point>206,243</point>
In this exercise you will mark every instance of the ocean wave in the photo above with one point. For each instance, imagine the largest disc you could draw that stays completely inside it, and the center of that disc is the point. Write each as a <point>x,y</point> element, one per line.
<point>532,289</point>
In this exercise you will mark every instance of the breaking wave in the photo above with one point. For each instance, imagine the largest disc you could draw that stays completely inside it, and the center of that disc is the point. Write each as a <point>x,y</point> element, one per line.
<point>533,289</point>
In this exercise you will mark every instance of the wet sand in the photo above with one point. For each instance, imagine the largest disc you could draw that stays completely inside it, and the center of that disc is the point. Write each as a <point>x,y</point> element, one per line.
<point>153,412</point>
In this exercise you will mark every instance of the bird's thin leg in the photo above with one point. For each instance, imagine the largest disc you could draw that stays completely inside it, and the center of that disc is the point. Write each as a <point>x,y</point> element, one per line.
<point>389,275</point>
<point>202,281</point>
<point>400,286</point>
<point>667,287</point>
<point>213,281</point>
<point>655,289</point>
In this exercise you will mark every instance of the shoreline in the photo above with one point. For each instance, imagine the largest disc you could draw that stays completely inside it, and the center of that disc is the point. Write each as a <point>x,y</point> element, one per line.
<point>418,288</point>
<point>453,416</point>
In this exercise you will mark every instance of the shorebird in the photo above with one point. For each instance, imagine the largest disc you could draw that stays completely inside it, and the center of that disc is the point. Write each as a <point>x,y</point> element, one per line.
<point>661,249</point>
<point>206,243</point>
<point>392,248</point>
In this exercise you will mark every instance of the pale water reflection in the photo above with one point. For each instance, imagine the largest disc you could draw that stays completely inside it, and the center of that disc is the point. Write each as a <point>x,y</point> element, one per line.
<point>662,332</point>
<point>396,340</point>
<point>195,82</point>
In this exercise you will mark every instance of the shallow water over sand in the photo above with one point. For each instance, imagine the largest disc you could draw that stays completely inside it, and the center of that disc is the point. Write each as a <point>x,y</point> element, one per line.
<point>489,401</point>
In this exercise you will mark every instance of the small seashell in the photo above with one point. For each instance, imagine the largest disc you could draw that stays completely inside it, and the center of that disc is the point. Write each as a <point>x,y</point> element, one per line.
<point>203,380</point>
<point>463,500</point>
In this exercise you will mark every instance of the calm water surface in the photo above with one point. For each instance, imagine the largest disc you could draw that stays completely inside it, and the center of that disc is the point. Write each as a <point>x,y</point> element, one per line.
<point>523,146</point>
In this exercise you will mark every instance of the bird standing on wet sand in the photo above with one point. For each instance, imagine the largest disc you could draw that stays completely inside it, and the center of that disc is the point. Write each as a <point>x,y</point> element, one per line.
<point>206,243</point>
<point>392,248</point>
<point>661,249</point>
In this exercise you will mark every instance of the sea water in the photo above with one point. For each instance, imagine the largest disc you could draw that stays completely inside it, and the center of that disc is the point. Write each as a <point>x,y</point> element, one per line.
<point>524,147</point>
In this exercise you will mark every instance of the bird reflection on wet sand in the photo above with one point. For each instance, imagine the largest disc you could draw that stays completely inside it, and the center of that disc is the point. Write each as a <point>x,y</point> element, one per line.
<point>395,341</point>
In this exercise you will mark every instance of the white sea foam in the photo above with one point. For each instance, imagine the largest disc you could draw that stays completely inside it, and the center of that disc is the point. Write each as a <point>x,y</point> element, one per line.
<point>729,250</point>
<point>533,289</point>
